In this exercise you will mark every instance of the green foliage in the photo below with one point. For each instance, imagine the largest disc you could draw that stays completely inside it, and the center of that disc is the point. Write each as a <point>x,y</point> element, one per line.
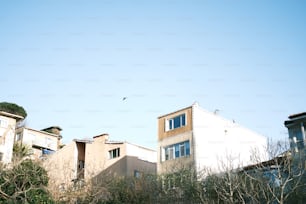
<point>133,190</point>
<point>13,108</point>
<point>24,183</point>
<point>20,151</point>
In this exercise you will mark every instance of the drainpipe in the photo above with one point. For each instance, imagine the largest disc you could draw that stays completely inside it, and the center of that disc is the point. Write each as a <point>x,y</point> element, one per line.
<point>303,132</point>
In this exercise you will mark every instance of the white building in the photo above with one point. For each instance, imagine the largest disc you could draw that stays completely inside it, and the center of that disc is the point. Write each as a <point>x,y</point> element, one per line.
<point>7,133</point>
<point>40,142</point>
<point>296,129</point>
<point>193,136</point>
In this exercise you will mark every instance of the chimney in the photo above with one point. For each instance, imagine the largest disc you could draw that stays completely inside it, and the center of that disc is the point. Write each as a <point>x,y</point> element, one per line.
<point>53,130</point>
<point>101,138</point>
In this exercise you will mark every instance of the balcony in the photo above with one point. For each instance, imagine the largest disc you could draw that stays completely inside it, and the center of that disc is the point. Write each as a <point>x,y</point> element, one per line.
<point>48,144</point>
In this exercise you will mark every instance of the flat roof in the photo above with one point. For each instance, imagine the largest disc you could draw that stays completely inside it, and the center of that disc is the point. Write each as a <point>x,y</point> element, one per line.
<point>103,134</point>
<point>295,118</point>
<point>297,115</point>
<point>83,140</point>
<point>40,131</point>
<point>17,117</point>
<point>174,112</point>
<point>56,127</point>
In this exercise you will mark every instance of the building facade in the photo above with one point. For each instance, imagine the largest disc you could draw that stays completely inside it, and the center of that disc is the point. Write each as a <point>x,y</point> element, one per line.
<point>8,123</point>
<point>83,160</point>
<point>296,128</point>
<point>200,139</point>
<point>40,142</point>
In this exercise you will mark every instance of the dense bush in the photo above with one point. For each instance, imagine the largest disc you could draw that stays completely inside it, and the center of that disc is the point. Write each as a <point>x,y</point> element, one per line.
<point>13,108</point>
<point>25,182</point>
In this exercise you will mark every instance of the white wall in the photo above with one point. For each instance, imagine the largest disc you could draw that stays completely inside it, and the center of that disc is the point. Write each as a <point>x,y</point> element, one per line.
<point>7,133</point>
<point>140,152</point>
<point>41,139</point>
<point>8,147</point>
<point>220,142</point>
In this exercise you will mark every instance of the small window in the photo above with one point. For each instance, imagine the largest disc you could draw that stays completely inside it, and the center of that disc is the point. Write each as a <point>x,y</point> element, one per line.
<point>18,137</point>
<point>3,123</point>
<point>182,150</point>
<point>114,153</point>
<point>137,174</point>
<point>176,122</point>
<point>81,164</point>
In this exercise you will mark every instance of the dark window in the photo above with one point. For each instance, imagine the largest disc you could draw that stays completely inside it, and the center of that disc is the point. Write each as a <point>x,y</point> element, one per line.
<point>187,146</point>
<point>114,153</point>
<point>177,122</point>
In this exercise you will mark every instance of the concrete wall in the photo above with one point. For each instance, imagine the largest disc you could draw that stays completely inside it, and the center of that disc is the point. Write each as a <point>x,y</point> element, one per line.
<point>141,153</point>
<point>219,142</point>
<point>37,140</point>
<point>126,166</point>
<point>97,156</point>
<point>61,166</point>
<point>162,133</point>
<point>7,134</point>
<point>171,165</point>
<point>215,142</point>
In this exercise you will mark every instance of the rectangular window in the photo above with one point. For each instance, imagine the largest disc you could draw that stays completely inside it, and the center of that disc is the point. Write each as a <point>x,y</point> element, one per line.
<point>176,122</point>
<point>177,150</point>
<point>138,174</point>
<point>182,150</point>
<point>114,153</point>
<point>169,153</point>
<point>3,123</point>
<point>18,137</point>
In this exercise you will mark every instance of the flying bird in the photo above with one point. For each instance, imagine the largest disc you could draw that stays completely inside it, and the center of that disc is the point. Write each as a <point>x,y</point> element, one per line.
<point>124,98</point>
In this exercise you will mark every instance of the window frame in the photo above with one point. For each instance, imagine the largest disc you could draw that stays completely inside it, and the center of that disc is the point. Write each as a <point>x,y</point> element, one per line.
<point>173,123</point>
<point>176,151</point>
<point>114,153</point>
<point>3,122</point>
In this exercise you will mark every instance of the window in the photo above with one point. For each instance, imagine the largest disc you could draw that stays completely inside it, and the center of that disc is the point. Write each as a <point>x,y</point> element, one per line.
<point>169,153</point>
<point>176,122</point>
<point>3,123</point>
<point>138,174</point>
<point>81,164</point>
<point>114,153</point>
<point>18,136</point>
<point>177,150</point>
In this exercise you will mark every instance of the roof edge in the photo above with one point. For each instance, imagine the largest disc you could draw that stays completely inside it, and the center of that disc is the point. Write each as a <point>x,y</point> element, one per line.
<point>175,112</point>
<point>11,115</point>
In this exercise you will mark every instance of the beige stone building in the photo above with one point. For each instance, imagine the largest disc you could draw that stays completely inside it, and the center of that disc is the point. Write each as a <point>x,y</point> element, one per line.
<point>8,123</point>
<point>82,160</point>
<point>40,142</point>
<point>199,139</point>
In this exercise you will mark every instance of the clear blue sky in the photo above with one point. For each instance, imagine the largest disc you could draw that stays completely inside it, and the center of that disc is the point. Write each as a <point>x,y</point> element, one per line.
<point>70,63</point>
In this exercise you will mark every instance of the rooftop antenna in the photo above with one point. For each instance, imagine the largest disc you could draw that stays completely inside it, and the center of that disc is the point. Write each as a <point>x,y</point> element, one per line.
<point>216,111</point>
